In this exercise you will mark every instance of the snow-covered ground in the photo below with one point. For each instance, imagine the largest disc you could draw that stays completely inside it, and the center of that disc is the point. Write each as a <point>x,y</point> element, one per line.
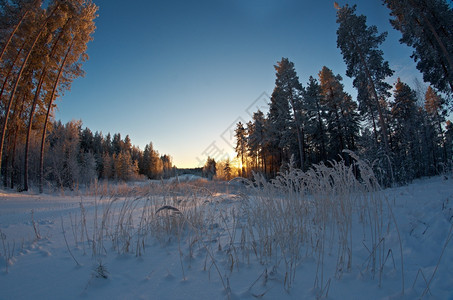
<point>197,247</point>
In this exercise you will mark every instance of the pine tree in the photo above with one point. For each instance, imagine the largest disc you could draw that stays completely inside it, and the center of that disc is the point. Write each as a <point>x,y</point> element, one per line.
<point>167,163</point>
<point>404,117</point>
<point>227,169</point>
<point>359,46</point>
<point>315,124</point>
<point>278,129</point>
<point>210,168</point>
<point>83,13</point>
<point>63,155</point>
<point>449,141</point>
<point>290,88</point>
<point>241,145</point>
<point>42,19</point>
<point>341,114</point>
<point>256,140</point>
<point>434,107</point>
<point>427,26</point>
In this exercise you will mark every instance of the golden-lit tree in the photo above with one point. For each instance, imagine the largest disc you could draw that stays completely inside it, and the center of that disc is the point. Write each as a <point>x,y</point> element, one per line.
<point>41,55</point>
<point>435,108</point>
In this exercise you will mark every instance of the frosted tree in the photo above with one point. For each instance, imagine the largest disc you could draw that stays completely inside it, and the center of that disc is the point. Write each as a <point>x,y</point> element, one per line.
<point>152,165</point>
<point>167,164</point>
<point>435,108</point>
<point>83,14</point>
<point>227,171</point>
<point>315,123</point>
<point>210,168</point>
<point>405,137</point>
<point>427,26</point>
<point>359,45</point>
<point>278,129</point>
<point>117,143</point>
<point>241,145</point>
<point>257,138</point>
<point>42,46</point>
<point>124,167</point>
<point>341,116</point>
<point>288,85</point>
<point>63,155</point>
<point>449,141</point>
<point>43,61</point>
<point>87,168</point>
<point>13,13</point>
<point>40,21</point>
<point>107,166</point>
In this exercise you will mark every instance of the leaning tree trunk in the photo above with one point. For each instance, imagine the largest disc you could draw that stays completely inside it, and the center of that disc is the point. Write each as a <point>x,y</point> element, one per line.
<point>16,83</point>
<point>11,35</point>
<point>11,69</point>
<point>18,109</point>
<point>35,102</point>
<point>378,105</point>
<point>49,109</point>
<point>441,44</point>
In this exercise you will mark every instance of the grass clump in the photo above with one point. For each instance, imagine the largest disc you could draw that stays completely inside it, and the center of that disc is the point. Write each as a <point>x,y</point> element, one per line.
<point>310,214</point>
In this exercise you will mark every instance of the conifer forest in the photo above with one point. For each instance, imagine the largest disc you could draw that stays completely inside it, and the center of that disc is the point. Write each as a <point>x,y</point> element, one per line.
<point>401,129</point>
<point>335,185</point>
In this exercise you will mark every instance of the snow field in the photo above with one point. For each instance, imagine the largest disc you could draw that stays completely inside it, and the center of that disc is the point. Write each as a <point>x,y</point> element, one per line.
<point>328,233</point>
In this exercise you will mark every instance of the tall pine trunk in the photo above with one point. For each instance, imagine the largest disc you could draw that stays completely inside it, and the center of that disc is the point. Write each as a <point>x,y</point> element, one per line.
<point>378,105</point>
<point>35,102</point>
<point>11,69</point>
<point>300,136</point>
<point>49,109</point>
<point>321,129</point>
<point>16,83</point>
<point>11,35</point>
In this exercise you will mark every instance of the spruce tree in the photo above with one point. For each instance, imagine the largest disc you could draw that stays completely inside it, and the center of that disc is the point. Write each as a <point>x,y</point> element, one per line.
<point>427,26</point>
<point>404,117</point>
<point>290,90</point>
<point>341,114</point>
<point>257,139</point>
<point>241,145</point>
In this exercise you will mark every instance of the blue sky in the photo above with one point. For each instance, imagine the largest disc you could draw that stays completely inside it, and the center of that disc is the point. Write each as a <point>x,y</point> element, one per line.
<point>182,73</point>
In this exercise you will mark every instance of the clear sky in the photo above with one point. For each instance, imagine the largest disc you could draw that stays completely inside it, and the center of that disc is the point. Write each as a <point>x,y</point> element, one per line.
<point>181,73</point>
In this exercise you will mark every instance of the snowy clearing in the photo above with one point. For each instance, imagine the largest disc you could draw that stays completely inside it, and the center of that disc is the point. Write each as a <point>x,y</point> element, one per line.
<point>189,241</point>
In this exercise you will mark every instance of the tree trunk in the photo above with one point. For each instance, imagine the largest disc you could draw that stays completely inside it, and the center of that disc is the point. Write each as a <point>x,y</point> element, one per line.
<point>375,96</point>
<point>5,169</point>
<point>440,43</point>
<point>11,69</point>
<point>19,75</point>
<point>49,108</point>
<point>378,105</point>
<point>13,136</point>
<point>441,132</point>
<point>299,133</point>
<point>321,129</point>
<point>35,102</point>
<point>373,119</point>
<point>13,158</point>
<point>24,15</point>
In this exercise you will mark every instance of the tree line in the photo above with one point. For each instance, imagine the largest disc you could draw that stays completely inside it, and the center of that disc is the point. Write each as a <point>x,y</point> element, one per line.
<point>402,131</point>
<point>43,45</point>
<point>76,156</point>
